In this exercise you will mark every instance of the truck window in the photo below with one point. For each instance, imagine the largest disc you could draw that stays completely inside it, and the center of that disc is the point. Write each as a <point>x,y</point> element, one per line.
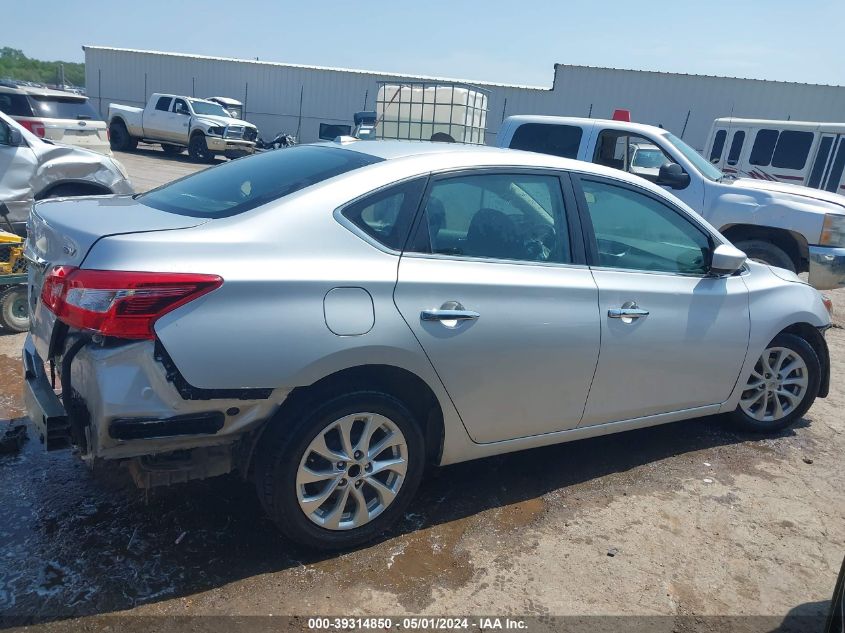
<point>163,104</point>
<point>557,140</point>
<point>718,146</point>
<point>736,147</point>
<point>630,152</point>
<point>179,105</point>
<point>792,149</point>
<point>764,147</point>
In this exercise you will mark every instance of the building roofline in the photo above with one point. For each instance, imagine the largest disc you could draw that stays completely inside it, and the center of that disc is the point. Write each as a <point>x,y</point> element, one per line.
<point>676,74</point>
<point>376,73</point>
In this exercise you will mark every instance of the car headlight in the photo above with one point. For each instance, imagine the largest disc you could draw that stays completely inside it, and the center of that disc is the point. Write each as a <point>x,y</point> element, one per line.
<point>833,230</point>
<point>119,167</point>
<point>216,131</point>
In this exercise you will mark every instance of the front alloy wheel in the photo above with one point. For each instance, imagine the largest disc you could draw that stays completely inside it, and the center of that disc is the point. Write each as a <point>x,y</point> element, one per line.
<point>777,385</point>
<point>783,384</point>
<point>352,471</point>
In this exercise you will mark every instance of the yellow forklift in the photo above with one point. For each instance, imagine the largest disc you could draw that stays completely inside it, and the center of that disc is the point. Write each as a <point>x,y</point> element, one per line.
<point>14,311</point>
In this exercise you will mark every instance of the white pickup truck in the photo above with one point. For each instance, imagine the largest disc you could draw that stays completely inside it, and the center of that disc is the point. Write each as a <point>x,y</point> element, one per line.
<point>788,226</point>
<point>177,122</point>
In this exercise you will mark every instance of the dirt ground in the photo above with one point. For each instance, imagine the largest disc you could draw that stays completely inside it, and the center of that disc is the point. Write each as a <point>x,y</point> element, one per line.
<point>701,521</point>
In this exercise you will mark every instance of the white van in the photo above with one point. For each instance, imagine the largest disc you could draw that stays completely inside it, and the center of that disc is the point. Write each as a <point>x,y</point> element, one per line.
<point>797,152</point>
<point>797,228</point>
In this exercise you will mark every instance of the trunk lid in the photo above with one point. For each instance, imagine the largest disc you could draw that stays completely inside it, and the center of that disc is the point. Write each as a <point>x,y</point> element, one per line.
<point>62,232</point>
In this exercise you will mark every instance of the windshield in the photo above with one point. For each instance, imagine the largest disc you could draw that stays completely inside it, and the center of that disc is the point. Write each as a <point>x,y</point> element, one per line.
<point>245,184</point>
<point>700,163</point>
<point>203,107</point>
<point>648,158</point>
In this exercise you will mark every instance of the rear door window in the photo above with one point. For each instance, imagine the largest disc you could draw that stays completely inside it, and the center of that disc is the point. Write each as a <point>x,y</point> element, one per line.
<point>63,108</point>
<point>495,216</point>
<point>241,185</point>
<point>163,104</point>
<point>557,140</point>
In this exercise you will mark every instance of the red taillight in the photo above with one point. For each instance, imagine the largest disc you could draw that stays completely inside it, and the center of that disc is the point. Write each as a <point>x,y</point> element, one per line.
<point>36,127</point>
<point>119,303</point>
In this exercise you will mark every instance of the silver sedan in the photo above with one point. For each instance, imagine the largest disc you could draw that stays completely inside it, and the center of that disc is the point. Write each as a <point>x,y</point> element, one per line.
<point>329,319</point>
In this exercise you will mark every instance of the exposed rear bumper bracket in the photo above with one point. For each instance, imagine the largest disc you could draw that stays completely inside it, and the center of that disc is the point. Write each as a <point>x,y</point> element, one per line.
<point>43,405</point>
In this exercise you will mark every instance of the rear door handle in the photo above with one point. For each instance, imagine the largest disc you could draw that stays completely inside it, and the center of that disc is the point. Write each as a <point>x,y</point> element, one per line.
<point>634,313</point>
<point>449,315</point>
<point>628,312</point>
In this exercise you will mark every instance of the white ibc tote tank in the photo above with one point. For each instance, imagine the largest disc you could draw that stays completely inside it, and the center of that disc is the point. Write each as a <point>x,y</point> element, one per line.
<point>418,111</point>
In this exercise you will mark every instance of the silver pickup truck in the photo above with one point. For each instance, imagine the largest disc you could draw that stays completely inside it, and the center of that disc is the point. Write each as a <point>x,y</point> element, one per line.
<point>177,122</point>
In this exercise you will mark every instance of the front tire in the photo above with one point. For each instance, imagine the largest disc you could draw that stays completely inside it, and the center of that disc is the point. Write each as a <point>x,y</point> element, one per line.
<point>766,253</point>
<point>342,474</point>
<point>782,386</point>
<point>198,149</point>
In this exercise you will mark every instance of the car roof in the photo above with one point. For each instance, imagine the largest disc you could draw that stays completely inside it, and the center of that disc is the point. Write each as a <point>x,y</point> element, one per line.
<point>432,156</point>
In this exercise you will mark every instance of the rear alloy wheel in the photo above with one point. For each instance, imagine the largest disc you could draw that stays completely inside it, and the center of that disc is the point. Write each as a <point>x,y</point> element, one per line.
<point>198,149</point>
<point>345,475</point>
<point>783,384</point>
<point>14,312</point>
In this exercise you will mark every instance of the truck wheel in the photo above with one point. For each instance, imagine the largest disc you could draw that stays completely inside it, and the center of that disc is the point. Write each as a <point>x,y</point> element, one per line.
<point>172,150</point>
<point>119,137</point>
<point>343,472</point>
<point>14,313</point>
<point>766,253</point>
<point>198,149</point>
<point>782,386</point>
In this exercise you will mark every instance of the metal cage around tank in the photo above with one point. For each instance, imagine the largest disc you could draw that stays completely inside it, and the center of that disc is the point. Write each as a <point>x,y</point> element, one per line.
<point>429,110</point>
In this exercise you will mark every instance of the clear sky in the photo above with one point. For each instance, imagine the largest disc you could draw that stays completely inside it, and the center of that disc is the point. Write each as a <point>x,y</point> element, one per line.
<point>517,41</point>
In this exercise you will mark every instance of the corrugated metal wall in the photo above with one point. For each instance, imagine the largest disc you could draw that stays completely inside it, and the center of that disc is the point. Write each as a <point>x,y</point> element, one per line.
<point>685,104</point>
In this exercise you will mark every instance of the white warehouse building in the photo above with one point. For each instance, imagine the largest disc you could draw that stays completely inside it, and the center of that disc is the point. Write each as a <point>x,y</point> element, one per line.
<point>305,100</point>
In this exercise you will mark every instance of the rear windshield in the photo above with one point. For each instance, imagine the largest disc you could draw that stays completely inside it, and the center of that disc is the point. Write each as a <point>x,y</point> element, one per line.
<point>62,108</point>
<point>245,184</point>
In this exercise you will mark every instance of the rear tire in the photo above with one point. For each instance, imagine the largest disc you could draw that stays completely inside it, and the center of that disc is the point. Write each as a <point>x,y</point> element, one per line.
<point>760,251</point>
<point>14,311</point>
<point>172,150</point>
<point>327,503</point>
<point>119,137</point>
<point>782,386</point>
<point>198,149</point>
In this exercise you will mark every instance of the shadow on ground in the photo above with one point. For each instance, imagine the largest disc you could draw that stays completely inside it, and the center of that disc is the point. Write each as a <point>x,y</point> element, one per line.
<point>77,542</point>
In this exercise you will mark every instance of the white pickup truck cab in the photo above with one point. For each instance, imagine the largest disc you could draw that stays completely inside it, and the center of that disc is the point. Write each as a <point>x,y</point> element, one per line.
<point>177,122</point>
<point>789,226</point>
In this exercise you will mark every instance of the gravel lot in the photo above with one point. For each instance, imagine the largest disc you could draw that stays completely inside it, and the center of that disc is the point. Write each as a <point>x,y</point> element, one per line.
<point>701,520</point>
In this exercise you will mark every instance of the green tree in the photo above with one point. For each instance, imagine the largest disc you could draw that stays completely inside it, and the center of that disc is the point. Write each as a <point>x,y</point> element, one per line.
<point>15,65</point>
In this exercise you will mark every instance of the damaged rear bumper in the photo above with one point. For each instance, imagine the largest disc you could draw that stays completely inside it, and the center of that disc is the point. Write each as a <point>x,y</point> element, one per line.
<point>126,403</point>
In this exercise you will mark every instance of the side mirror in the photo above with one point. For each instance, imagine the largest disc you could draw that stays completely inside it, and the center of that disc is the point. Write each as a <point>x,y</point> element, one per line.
<point>726,259</point>
<point>672,175</point>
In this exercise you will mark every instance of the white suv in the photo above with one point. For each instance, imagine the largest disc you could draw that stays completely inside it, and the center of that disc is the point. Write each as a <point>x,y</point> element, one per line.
<point>63,117</point>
